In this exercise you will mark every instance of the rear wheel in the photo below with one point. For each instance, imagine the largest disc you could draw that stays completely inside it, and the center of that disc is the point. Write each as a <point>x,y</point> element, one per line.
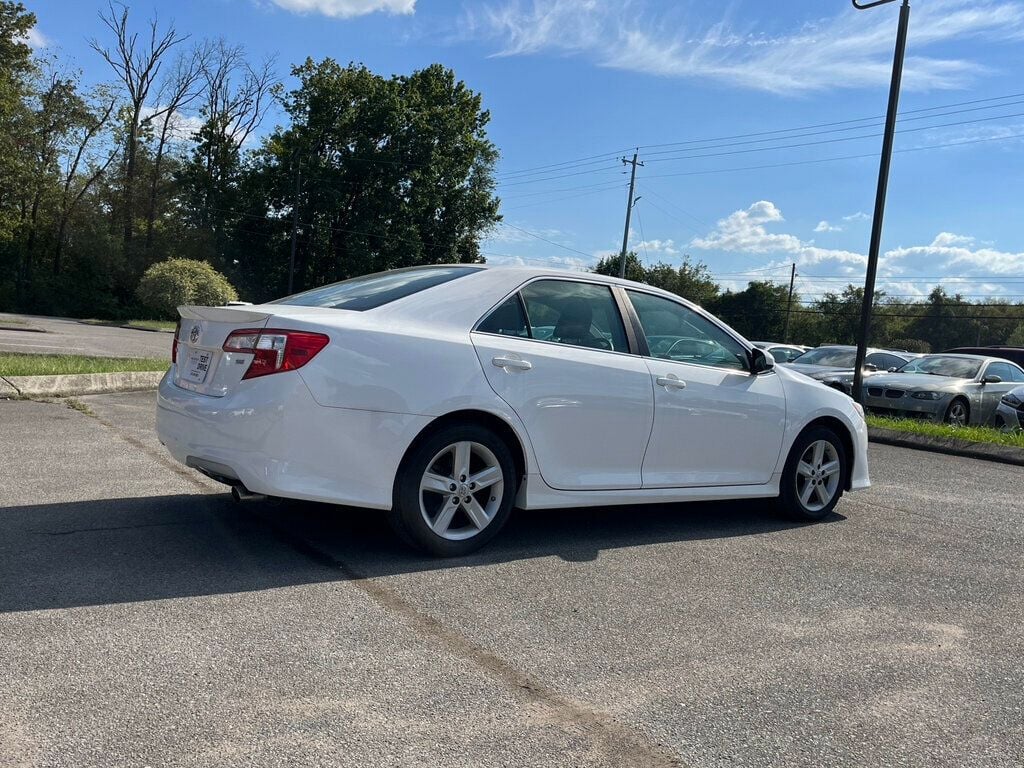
<point>959,412</point>
<point>454,491</point>
<point>814,476</point>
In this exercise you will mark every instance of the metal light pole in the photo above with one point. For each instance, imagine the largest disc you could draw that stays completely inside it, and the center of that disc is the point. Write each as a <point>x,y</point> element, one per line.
<point>883,185</point>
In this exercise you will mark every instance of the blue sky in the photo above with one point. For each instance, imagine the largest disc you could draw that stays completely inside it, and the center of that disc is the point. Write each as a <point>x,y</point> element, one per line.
<point>573,85</point>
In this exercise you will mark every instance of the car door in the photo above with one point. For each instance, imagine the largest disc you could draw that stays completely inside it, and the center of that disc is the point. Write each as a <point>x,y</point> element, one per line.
<point>991,394</point>
<point>714,422</point>
<point>558,354</point>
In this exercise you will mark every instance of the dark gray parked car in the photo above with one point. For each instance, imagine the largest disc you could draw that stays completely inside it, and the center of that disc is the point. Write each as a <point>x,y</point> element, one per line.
<point>833,365</point>
<point>956,389</point>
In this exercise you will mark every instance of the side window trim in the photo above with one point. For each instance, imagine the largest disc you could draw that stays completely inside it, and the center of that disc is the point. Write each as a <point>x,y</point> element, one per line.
<point>631,322</point>
<point>525,311</point>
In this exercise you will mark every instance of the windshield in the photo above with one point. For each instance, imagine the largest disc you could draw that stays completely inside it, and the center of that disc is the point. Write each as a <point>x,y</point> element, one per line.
<point>834,357</point>
<point>371,291</point>
<point>940,365</point>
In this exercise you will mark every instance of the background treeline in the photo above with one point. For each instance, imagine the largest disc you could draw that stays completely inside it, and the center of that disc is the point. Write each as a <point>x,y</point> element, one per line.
<point>99,182</point>
<point>941,321</point>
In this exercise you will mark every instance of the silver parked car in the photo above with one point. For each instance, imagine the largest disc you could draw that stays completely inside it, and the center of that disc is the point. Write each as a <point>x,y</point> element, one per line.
<point>783,353</point>
<point>1010,411</point>
<point>956,389</point>
<point>833,365</point>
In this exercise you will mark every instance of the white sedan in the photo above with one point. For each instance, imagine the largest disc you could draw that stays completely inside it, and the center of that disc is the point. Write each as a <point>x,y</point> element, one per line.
<point>446,395</point>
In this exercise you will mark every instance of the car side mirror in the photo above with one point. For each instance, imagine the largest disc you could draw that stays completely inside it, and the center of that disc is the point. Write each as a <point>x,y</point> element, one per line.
<point>761,361</point>
<point>870,367</point>
<point>892,370</point>
<point>992,379</point>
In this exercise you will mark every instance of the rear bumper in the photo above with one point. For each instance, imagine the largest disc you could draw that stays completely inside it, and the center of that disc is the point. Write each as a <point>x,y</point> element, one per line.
<point>278,441</point>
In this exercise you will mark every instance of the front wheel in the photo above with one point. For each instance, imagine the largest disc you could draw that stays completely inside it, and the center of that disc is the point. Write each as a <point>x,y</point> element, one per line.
<point>454,491</point>
<point>814,476</point>
<point>958,413</point>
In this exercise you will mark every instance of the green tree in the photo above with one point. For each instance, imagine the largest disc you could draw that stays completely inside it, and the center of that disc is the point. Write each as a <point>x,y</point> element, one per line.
<point>758,311</point>
<point>17,71</point>
<point>691,280</point>
<point>392,172</point>
<point>1016,339</point>
<point>635,270</point>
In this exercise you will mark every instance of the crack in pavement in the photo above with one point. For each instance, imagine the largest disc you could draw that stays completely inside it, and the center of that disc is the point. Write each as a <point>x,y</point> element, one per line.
<point>620,743</point>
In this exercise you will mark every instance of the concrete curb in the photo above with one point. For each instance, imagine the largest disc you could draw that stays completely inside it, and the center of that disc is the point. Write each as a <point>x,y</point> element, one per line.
<point>79,384</point>
<point>1004,454</point>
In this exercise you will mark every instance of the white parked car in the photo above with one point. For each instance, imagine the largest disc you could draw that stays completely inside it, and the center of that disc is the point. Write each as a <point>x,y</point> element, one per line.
<point>446,395</point>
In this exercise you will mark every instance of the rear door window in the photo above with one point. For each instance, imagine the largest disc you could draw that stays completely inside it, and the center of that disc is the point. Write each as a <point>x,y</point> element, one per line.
<point>507,319</point>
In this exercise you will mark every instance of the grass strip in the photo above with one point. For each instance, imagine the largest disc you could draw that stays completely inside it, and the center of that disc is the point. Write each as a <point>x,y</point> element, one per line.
<point>22,364</point>
<point>931,429</point>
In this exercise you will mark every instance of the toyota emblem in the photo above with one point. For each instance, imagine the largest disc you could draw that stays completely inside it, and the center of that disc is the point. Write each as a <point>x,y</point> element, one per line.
<point>194,334</point>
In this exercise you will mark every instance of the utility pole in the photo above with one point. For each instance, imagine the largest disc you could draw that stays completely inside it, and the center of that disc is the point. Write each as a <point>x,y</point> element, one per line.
<point>883,185</point>
<point>295,227</point>
<point>629,212</point>
<point>789,305</point>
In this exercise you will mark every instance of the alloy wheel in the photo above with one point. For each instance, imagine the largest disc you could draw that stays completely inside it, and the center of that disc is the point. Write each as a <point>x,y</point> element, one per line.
<point>461,490</point>
<point>817,475</point>
<point>957,414</point>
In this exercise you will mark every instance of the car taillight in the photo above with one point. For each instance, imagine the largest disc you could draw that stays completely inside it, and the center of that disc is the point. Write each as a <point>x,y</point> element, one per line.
<point>274,350</point>
<point>174,344</point>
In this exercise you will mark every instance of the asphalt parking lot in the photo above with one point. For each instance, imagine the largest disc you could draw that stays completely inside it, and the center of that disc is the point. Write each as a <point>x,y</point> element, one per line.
<point>146,619</point>
<point>70,337</point>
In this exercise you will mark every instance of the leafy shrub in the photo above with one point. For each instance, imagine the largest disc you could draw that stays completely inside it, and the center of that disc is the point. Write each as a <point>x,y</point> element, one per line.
<point>910,345</point>
<point>168,284</point>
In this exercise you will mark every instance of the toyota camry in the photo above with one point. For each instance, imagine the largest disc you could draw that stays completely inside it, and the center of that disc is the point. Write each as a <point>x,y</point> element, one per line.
<point>447,395</point>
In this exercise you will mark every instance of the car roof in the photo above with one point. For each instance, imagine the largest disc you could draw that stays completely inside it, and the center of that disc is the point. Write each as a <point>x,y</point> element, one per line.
<point>965,356</point>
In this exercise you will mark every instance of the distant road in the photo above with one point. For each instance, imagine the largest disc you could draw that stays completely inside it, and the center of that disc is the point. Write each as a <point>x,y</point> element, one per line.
<point>74,338</point>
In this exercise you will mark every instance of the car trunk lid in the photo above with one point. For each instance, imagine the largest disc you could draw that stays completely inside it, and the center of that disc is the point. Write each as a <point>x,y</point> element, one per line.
<point>202,364</point>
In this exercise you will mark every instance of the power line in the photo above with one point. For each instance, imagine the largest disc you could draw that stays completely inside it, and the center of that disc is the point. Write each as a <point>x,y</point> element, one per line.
<point>874,155</point>
<point>552,242</point>
<point>777,132</point>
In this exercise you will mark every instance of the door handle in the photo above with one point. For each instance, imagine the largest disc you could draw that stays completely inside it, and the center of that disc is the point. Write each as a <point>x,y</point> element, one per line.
<point>670,382</point>
<point>512,363</point>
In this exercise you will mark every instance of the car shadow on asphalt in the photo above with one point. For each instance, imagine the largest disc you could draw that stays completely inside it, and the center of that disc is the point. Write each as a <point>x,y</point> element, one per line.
<point>150,548</point>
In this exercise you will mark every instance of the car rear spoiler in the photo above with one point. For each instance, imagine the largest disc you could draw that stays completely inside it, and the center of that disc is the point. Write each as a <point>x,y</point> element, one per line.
<point>223,314</point>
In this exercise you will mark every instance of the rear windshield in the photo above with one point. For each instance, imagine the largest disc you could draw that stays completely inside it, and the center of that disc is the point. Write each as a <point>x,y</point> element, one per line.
<point>371,291</point>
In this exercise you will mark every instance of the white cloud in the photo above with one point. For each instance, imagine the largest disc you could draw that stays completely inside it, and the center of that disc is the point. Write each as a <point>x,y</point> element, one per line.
<point>824,226</point>
<point>668,247</point>
<point>181,127</point>
<point>858,216</point>
<point>847,50</point>
<point>347,9</point>
<point>956,252</point>
<point>35,39</point>
<point>746,232</point>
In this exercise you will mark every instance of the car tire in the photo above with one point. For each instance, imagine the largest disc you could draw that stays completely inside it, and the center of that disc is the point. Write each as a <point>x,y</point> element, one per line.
<point>958,406</point>
<point>441,504</point>
<point>814,477</point>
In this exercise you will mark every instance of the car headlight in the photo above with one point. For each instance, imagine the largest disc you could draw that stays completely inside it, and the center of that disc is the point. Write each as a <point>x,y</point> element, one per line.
<point>926,395</point>
<point>1011,400</point>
